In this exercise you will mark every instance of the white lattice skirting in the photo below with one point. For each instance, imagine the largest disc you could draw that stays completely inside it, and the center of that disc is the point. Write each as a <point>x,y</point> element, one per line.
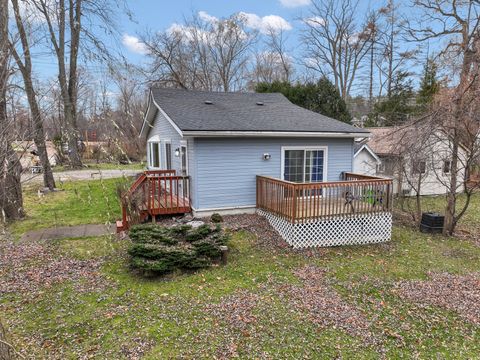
<point>352,230</point>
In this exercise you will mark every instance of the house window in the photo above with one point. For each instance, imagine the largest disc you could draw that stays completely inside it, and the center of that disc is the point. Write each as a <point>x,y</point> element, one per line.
<point>304,165</point>
<point>183,154</point>
<point>168,156</point>
<point>154,156</point>
<point>419,167</point>
<point>447,166</point>
<point>381,168</point>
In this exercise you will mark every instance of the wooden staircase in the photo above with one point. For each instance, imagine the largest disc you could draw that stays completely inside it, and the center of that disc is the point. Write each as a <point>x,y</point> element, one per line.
<point>159,192</point>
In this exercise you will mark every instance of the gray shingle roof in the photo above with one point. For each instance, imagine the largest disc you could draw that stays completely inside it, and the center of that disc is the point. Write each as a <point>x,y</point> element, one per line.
<point>240,112</point>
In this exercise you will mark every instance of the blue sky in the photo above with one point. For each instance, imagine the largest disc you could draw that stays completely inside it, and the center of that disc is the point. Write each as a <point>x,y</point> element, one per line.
<point>159,15</point>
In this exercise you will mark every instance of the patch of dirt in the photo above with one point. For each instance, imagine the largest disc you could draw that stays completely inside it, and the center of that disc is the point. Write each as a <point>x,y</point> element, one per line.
<point>459,293</point>
<point>324,306</point>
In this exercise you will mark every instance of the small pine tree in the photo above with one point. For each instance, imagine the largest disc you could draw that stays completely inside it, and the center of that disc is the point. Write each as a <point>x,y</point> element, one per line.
<point>398,107</point>
<point>429,85</point>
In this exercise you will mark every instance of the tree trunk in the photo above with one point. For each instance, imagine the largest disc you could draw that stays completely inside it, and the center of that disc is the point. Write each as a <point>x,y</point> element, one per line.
<point>25,67</point>
<point>370,88</point>
<point>6,352</point>
<point>39,135</point>
<point>11,201</point>
<point>449,224</point>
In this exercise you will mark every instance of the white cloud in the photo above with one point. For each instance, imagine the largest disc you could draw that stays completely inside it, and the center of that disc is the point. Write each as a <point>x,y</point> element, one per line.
<point>207,17</point>
<point>264,24</point>
<point>295,3</point>
<point>134,44</point>
<point>314,21</point>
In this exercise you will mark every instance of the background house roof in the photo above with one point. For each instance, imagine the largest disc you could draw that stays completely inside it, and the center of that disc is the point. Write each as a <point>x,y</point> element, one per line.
<point>390,140</point>
<point>243,112</point>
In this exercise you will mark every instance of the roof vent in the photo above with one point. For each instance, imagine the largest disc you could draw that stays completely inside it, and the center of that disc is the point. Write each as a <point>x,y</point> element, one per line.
<point>208,102</point>
<point>260,103</point>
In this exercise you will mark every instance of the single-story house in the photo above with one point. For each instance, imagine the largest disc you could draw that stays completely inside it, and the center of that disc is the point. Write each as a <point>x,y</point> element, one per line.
<point>365,161</point>
<point>246,152</point>
<point>417,157</point>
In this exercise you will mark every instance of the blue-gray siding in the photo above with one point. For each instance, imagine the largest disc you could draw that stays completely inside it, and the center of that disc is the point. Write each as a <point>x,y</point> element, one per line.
<point>223,170</point>
<point>165,130</point>
<point>226,168</point>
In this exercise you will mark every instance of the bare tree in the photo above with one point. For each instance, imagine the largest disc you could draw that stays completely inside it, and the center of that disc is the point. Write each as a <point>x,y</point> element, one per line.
<point>374,30</point>
<point>272,63</point>
<point>335,43</point>
<point>24,63</point>
<point>70,27</point>
<point>394,55</point>
<point>456,24</point>
<point>207,55</point>
<point>11,200</point>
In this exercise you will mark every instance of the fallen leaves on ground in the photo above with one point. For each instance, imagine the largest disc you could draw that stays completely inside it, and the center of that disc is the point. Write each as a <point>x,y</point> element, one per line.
<point>459,293</point>
<point>323,305</point>
<point>26,267</point>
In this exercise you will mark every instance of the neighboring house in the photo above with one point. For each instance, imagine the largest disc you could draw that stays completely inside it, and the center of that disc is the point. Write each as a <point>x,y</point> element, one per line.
<point>365,161</point>
<point>246,151</point>
<point>417,157</point>
<point>27,153</point>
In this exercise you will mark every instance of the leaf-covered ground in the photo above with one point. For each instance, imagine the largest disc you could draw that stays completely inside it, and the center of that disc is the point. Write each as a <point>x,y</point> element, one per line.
<point>415,297</point>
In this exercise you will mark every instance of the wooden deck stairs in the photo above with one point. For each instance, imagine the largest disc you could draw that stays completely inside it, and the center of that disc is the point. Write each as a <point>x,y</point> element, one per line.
<point>159,192</point>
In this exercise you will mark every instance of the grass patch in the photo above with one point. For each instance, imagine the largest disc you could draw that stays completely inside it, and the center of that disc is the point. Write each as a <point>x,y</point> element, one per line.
<point>77,202</point>
<point>469,221</point>
<point>89,247</point>
<point>104,166</point>
<point>171,317</point>
<point>168,315</point>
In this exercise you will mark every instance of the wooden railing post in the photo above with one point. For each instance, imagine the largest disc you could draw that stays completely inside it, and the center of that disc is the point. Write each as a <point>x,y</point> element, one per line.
<point>294,203</point>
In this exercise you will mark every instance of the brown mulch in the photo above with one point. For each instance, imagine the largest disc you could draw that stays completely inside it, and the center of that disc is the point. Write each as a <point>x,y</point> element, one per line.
<point>324,306</point>
<point>258,225</point>
<point>27,267</point>
<point>459,293</point>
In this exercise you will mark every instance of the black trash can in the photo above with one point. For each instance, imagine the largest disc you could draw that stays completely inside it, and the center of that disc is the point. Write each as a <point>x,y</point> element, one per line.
<point>432,223</point>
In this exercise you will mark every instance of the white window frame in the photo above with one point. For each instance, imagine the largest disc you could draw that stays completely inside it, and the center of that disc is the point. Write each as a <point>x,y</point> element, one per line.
<point>165,142</point>
<point>183,143</point>
<point>150,157</point>
<point>305,148</point>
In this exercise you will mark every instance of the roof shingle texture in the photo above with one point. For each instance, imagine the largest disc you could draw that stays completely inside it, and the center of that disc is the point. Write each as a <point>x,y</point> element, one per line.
<point>240,112</point>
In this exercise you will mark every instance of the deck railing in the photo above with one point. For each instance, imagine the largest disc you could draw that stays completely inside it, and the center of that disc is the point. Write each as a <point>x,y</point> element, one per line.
<point>302,202</point>
<point>157,192</point>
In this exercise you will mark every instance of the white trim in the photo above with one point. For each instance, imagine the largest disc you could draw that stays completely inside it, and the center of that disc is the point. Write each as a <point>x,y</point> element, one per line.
<point>165,142</point>
<point>177,129</point>
<point>276,134</point>
<point>366,147</point>
<point>184,143</point>
<point>149,155</point>
<point>305,147</point>
<point>145,119</point>
<point>154,138</point>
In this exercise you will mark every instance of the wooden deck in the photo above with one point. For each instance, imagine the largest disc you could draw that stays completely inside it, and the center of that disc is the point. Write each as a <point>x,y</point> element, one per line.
<point>155,193</point>
<point>300,202</point>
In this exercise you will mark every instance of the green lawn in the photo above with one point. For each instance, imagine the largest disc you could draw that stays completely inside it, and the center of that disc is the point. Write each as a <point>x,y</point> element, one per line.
<point>242,309</point>
<point>105,166</point>
<point>470,220</point>
<point>76,202</point>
